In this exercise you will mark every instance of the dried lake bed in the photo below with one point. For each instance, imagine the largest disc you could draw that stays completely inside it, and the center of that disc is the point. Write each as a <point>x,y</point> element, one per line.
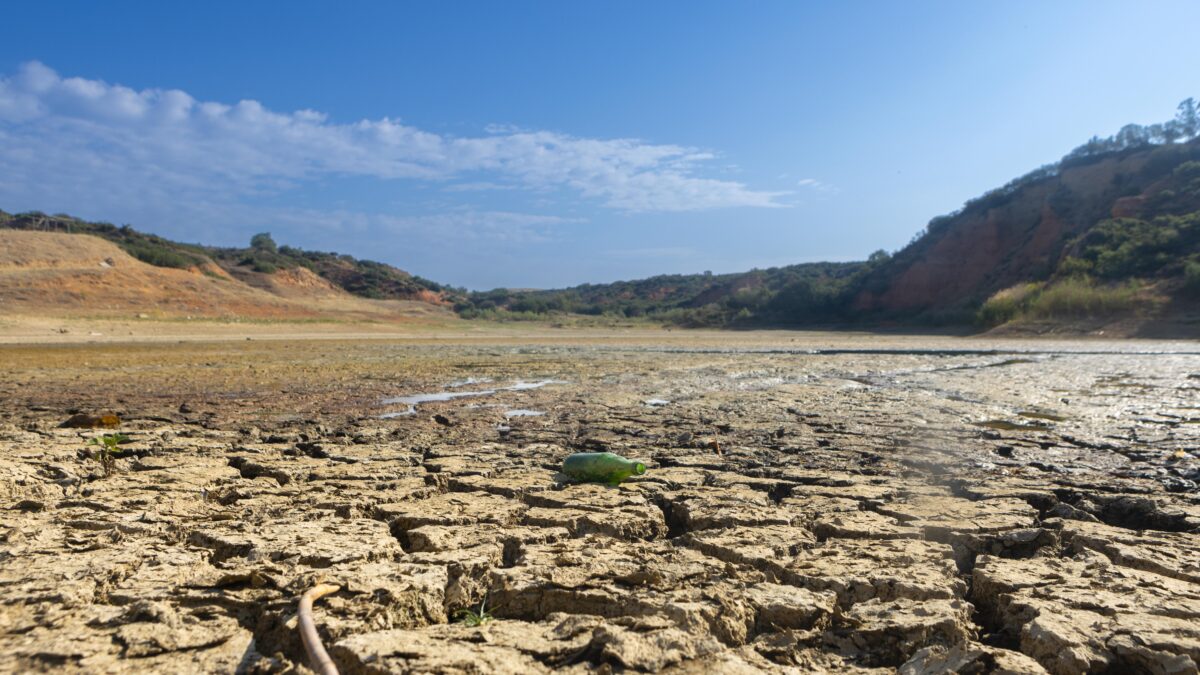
<point>813,502</point>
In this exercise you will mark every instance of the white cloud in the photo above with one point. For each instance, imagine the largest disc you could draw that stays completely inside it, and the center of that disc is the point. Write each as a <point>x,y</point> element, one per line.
<point>103,143</point>
<point>451,227</point>
<point>814,184</point>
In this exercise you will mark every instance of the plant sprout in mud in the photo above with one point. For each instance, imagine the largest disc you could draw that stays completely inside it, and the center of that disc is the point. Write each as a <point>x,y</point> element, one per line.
<point>472,619</point>
<point>106,449</point>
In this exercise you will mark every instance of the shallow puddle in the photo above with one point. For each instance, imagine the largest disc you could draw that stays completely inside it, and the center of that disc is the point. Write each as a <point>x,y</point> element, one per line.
<point>417,399</point>
<point>522,386</point>
<point>441,396</point>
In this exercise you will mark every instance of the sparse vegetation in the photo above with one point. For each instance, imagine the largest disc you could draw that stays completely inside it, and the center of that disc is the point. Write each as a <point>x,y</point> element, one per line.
<point>364,278</point>
<point>106,451</point>
<point>472,618</point>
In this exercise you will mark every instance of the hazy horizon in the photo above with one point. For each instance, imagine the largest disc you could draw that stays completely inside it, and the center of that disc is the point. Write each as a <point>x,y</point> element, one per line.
<point>536,145</point>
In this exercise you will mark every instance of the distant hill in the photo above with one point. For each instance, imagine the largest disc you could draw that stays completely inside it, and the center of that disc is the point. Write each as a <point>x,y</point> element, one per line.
<point>279,270</point>
<point>55,273</point>
<point>686,299</point>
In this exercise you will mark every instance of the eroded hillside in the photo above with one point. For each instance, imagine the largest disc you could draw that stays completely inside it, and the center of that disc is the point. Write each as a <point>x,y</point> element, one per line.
<point>1023,233</point>
<point>57,274</point>
<point>254,265</point>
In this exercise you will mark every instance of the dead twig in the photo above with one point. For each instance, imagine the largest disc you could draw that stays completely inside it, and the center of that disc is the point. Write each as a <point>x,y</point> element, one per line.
<point>308,629</point>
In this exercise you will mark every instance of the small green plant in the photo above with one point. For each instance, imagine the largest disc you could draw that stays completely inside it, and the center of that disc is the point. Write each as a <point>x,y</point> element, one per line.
<point>106,451</point>
<point>472,619</point>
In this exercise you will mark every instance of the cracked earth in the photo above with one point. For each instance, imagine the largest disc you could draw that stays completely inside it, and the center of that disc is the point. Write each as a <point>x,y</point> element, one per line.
<point>983,507</point>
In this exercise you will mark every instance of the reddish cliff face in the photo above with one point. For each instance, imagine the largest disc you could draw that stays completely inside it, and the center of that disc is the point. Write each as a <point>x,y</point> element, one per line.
<point>990,246</point>
<point>962,260</point>
<point>1128,207</point>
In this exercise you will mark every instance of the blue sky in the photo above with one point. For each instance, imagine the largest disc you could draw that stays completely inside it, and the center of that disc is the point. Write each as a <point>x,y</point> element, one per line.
<point>538,144</point>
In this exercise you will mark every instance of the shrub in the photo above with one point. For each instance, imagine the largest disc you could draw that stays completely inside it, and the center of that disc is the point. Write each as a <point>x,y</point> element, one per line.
<point>1187,170</point>
<point>1008,304</point>
<point>159,255</point>
<point>1124,247</point>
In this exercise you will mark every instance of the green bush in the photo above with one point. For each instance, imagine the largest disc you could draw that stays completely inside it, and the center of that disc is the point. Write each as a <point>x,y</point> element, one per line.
<point>1121,248</point>
<point>1187,170</point>
<point>160,256</point>
<point>263,242</point>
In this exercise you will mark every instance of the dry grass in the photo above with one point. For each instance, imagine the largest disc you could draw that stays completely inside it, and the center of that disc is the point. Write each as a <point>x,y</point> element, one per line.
<point>1074,298</point>
<point>1008,304</point>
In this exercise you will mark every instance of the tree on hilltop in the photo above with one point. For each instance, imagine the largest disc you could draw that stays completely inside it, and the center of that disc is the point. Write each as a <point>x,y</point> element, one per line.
<point>1188,118</point>
<point>263,242</point>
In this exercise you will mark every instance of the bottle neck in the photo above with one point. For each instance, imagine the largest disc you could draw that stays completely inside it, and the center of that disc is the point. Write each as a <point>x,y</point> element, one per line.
<point>635,468</point>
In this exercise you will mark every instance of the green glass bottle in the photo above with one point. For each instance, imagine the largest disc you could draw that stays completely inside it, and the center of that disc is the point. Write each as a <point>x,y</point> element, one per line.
<point>601,467</point>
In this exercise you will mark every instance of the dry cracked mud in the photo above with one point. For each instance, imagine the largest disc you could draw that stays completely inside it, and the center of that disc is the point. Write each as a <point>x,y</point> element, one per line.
<point>871,507</point>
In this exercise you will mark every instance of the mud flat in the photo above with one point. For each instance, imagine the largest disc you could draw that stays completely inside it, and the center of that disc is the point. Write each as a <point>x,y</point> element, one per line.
<point>841,504</point>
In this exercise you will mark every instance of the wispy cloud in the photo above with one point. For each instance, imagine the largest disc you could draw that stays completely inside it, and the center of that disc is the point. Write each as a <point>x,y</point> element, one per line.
<point>814,184</point>
<point>110,144</point>
<point>454,226</point>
